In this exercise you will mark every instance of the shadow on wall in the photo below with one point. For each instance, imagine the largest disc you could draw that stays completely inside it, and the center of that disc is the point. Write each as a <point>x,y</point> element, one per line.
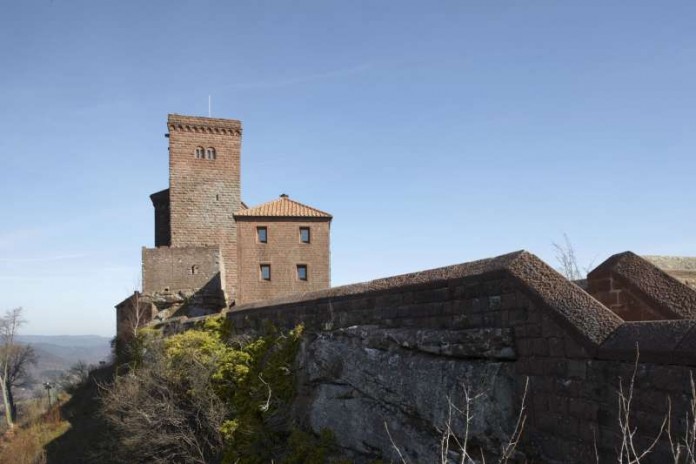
<point>203,301</point>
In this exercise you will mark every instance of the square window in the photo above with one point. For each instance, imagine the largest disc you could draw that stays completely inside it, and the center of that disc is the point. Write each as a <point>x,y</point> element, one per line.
<point>302,272</point>
<point>304,234</point>
<point>265,272</point>
<point>262,234</point>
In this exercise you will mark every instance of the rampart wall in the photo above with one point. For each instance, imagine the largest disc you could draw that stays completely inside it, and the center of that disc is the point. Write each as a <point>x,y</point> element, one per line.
<point>388,354</point>
<point>168,269</point>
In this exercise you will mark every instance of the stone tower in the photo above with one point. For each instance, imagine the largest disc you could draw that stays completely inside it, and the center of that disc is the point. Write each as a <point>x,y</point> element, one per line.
<point>212,251</point>
<point>204,187</point>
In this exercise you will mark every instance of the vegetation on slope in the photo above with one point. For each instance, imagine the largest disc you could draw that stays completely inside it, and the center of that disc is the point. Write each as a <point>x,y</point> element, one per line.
<point>206,396</point>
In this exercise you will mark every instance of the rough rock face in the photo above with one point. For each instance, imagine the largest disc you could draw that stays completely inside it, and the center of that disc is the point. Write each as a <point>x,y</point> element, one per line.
<point>362,380</point>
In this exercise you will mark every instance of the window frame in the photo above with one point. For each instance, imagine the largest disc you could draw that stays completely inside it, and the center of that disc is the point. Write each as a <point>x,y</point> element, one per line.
<point>309,234</point>
<point>258,234</point>
<point>261,274</point>
<point>306,272</point>
<point>210,153</point>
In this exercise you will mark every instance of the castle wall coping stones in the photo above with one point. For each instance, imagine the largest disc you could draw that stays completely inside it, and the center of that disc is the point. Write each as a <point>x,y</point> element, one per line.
<point>585,317</point>
<point>659,288</point>
<point>574,308</point>
<point>602,333</point>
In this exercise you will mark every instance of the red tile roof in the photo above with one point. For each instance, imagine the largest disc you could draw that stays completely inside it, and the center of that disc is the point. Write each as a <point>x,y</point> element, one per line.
<point>283,207</point>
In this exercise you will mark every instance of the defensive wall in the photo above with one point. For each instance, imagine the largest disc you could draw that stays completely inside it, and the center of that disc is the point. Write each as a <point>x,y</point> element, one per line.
<point>391,354</point>
<point>196,273</point>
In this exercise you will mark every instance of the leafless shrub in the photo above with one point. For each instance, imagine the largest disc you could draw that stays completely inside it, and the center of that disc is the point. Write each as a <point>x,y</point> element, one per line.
<point>448,437</point>
<point>166,416</point>
<point>568,261</point>
<point>684,448</point>
<point>629,453</point>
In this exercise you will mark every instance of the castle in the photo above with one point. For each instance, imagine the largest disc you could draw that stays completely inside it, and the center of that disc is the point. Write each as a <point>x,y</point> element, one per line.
<point>384,362</point>
<point>211,250</point>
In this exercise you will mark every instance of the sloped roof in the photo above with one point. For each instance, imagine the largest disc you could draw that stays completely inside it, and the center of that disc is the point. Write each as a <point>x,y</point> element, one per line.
<point>655,285</point>
<point>282,207</point>
<point>161,196</point>
<point>682,268</point>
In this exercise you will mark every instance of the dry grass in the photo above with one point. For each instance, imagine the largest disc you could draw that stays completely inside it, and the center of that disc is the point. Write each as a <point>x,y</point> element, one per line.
<point>25,445</point>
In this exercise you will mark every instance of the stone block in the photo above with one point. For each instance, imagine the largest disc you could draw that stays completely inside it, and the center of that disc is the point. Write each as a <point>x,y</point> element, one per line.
<point>556,347</point>
<point>583,409</point>
<point>576,369</point>
<point>558,404</point>
<point>573,349</point>
<point>540,347</point>
<point>428,296</point>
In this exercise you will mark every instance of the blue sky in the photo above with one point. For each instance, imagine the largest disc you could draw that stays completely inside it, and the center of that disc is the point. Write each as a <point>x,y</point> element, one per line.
<point>434,132</point>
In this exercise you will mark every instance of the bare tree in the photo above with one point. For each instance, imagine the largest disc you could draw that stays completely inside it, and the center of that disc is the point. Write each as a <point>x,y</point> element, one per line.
<point>14,361</point>
<point>136,313</point>
<point>133,314</point>
<point>568,261</point>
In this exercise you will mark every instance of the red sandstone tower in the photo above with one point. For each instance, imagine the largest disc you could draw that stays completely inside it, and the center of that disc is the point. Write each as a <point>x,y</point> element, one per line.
<point>204,187</point>
<point>211,251</point>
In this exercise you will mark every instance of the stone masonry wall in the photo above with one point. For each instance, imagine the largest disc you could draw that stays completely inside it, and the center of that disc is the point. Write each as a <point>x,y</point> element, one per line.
<point>205,193</point>
<point>638,290</point>
<point>163,233</point>
<point>283,251</point>
<point>388,354</point>
<point>170,270</point>
<point>620,296</point>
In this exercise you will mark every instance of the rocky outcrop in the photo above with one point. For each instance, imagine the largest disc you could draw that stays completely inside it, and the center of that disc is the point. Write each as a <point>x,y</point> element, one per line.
<point>397,350</point>
<point>361,381</point>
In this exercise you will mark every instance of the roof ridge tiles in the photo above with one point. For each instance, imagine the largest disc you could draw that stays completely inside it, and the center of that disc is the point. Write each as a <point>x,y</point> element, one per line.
<point>284,207</point>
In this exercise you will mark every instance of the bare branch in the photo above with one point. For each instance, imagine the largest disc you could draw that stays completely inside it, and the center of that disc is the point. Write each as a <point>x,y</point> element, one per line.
<point>568,262</point>
<point>401,456</point>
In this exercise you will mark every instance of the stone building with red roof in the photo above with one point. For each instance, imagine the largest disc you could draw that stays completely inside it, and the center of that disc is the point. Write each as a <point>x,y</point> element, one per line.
<point>212,251</point>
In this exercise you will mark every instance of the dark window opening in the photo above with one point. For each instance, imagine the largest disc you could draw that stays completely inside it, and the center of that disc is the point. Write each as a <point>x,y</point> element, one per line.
<point>262,234</point>
<point>194,269</point>
<point>302,271</point>
<point>304,234</point>
<point>265,272</point>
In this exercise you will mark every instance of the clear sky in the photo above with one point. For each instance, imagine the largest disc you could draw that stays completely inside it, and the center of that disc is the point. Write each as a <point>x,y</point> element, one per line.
<point>435,132</point>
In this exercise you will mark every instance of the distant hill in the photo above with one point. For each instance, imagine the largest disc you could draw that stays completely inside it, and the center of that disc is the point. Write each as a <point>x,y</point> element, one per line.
<point>57,353</point>
<point>66,340</point>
